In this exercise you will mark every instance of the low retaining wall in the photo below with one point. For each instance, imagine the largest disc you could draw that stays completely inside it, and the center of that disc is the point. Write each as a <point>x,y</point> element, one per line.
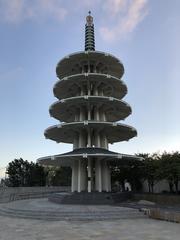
<point>165,215</point>
<point>158,198</point>
<point>17,193</point>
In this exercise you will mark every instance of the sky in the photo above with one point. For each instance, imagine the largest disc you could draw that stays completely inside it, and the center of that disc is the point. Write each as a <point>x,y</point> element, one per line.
<point>36,34</point>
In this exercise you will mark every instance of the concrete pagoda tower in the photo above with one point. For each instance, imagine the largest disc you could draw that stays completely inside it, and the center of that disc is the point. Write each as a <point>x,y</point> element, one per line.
<point>89,92</point>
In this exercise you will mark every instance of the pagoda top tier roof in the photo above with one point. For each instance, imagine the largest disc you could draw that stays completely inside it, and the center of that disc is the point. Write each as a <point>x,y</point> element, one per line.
<point>103,63</point>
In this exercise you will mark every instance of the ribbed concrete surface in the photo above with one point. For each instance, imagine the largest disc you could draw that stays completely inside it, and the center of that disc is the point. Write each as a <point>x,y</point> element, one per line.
<point>44,210</point>
<point>123,229</point>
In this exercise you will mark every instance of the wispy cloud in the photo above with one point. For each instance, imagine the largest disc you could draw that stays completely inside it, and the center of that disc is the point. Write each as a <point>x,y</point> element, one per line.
<point>120,17</point>
<point>114,7</point>
<point>126,14</point>
<point>16,11</point>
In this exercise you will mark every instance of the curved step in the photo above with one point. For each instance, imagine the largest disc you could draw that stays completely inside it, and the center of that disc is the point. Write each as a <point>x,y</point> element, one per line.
<point>68,215</point>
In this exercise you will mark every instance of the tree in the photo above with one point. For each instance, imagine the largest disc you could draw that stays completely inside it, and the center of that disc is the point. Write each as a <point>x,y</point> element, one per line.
<point>170,169</point>
<point>150,169</point>
<point>61,176</point>
<point>131,172</point>
<point>23,173</point>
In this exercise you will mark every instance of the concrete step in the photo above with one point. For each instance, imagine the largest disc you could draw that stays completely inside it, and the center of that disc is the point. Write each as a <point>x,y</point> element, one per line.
<point>70,216</point>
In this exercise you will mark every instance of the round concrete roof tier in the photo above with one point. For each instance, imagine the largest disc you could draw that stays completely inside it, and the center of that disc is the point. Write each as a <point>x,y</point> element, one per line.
<point>66,159</point>
<point>66,132</point>
<point>65,110</point>
<point>70,86</point>
<point>104,62</point>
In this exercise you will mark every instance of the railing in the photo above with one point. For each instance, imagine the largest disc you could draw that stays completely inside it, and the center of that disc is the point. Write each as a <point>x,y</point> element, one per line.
<point>18,193</point>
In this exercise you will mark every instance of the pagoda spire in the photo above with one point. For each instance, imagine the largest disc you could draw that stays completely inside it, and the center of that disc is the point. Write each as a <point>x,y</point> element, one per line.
<point>89,33</point>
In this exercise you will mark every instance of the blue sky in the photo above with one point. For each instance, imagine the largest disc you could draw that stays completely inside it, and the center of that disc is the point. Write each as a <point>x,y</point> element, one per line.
<point>36,34</point>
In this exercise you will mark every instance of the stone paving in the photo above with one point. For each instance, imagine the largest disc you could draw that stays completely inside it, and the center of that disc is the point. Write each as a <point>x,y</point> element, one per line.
<point>139,229</point>
<point>124,229</point>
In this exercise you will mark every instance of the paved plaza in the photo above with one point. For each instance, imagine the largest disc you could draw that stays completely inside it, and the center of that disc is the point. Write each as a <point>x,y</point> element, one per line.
<point>131,226</point>
<point>139,229</point>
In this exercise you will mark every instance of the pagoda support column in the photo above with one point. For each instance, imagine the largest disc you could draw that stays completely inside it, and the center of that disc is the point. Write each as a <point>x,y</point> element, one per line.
<point>106,177</point>
<point>89,175</point>
<point>82,175</point>
<point>74,181</point>
<point>98,175</point>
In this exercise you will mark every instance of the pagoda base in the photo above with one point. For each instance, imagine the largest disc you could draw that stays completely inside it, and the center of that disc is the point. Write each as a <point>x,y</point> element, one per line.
<point>93,198</point>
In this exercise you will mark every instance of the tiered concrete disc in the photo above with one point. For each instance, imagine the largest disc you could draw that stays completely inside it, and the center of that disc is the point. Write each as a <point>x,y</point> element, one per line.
<point>65,110</point>
<point>66,132</point>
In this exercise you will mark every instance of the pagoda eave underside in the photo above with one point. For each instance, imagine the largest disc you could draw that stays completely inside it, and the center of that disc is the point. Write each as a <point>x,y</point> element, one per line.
<point>67,159</point>
<point>70,86</point>
<point>70,64</point>
<point>66,132</point>
<point>65,110</point>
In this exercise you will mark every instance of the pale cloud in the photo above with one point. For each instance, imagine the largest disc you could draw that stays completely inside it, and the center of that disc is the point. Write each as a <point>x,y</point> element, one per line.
<point>134,12</point>
<point>87,3</point>
<point>118,18</point>
<point>113,7</point>
<point>16,11</point>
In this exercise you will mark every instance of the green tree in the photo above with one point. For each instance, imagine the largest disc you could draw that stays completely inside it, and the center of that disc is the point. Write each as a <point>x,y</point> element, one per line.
<point>150,169</point>
<point>23,173</point>
<point>170,169</point>
<point>61,176</point>
<point>131,172</point>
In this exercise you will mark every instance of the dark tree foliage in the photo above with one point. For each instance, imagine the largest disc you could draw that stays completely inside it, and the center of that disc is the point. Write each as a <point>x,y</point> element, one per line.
<point>157,167</point>
<point>150,169</point>
<point>22,173</point>
<point>131,173</point>
<point>170,170</point>
<point>61,177</point>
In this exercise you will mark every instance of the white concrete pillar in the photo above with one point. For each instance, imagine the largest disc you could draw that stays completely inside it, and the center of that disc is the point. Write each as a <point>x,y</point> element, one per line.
<point>95,92</point>
<point>74,180</point>
<point>89,175</point>
<point>82,114</point>
<point>106,177</point>
<point>89,113</point>
<point>82,140</point>
<point>89,90</point>
<point>77,116</point>
<point>104,142</point>
<point>82,175</point>
<point>89,143</point>
<point>104,116</point>
<point>75,142</point>
<point>97,140</point>
<point>96,114</point>
<point>79,175</point>
<point>82,91</point>
<point>98,176</point>
<point>100,92</point>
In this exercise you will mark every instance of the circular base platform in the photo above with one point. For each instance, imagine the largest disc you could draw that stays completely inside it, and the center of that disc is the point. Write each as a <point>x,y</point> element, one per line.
<point>42,209</point>
<point>93,198</point>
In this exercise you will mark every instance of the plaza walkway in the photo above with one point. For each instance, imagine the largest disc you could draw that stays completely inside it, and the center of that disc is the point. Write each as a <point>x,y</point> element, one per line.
<point>128,224</point>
